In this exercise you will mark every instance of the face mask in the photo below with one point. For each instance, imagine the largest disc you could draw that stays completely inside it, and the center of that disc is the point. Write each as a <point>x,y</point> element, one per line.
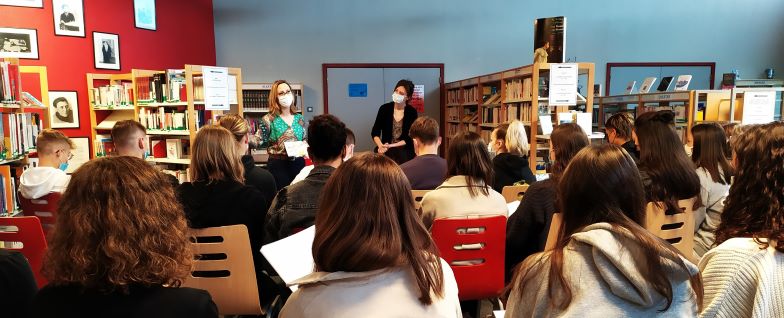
<point>286,100</point>
<point>64,166</point>
<point>397,98</point>
<point>490,150</point>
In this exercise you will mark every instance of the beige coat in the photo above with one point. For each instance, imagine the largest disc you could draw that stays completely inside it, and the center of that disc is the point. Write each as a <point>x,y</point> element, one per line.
<point>452,199</point>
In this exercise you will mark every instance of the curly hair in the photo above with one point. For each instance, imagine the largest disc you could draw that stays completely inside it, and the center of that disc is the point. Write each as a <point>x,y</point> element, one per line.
<point>755,204</point>
<point>110,235</point>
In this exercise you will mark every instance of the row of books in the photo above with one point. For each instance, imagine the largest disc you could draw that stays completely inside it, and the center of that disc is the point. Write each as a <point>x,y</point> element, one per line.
<point>161,119</point>
<point>104,146</point>
<point>451,129</point>
<point>19,131</point>
<point>470,117</point>
<point>9,189</point>
<point>453,96</point>
<point>519,112</point>
<point>518,89</point>
<point>451,113</point>
<point>471,95</point>
<point>491,115</point>
<point>492,99</point>
<point>113,95</point>
<point>162,87</point>
<point>10,87</point>
<point>170,148</point>
<point>257,100</point>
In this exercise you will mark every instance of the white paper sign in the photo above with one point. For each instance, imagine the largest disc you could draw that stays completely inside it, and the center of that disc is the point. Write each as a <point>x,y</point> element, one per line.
<point>547,124</point>
<point>216,88</point>
<point>758,107</point>
<point>232,89</point>
<point>585,120</point>
<point>563,84</point>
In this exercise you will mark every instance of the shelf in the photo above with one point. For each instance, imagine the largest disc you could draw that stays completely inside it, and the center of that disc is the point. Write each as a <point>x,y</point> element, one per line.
<point>169,132</point>
<point>3,162</point>
<point>10,105</point>
<point>513,101</point>
<point>453,121</point>
<point>103,107</point>
<point>493,125</point>
<point>470,104</point>
<point>167,104</point>
<point>492,105</point>
<point>255,111</point>
<point>452,105</point>
<point>182,161</point>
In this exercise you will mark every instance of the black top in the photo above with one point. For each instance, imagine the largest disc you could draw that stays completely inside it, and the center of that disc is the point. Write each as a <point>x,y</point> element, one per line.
<point>527,228</point>
<point>510,168</point>
<point>259,178</point>
<point>631,148</point>
<point>382,128</point>
<point>140,302</point>
<point>425,172</point>
<point>17,284</point>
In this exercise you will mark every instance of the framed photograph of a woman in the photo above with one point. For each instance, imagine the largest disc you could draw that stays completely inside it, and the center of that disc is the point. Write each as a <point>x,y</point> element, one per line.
<point>64,109</point>
<point>68,17</point>
<point>107,50</point>
<point>23,3</point>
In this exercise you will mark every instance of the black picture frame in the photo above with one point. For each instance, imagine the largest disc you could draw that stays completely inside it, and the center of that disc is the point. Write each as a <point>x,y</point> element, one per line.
<point>84,22</point>
<point>154,27</point>
<point>33,33</point>
<point>9,4</point>
<point>98,50</point>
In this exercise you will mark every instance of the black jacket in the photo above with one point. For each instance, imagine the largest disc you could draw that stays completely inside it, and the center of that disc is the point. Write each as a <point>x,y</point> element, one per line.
<point>631,148</point>
<point>259,178</point>
<point>382,128</point>
<point>527,228</point>
<point>510,168</point>
<point>295,206</point>
<point>140,302</point>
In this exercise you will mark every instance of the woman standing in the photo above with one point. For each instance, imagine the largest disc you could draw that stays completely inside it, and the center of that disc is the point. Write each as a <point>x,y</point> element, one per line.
<point>394,119</point>
<point>283,124</point>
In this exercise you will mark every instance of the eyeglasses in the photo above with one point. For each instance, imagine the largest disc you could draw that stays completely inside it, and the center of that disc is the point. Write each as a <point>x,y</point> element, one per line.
<point>281,93</point>
<point>70,154</point>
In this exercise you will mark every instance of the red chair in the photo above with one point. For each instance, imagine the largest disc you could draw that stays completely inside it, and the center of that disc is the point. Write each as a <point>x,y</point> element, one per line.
<point>474,248</point>
<point>45,208</point>
<point>28,231</point>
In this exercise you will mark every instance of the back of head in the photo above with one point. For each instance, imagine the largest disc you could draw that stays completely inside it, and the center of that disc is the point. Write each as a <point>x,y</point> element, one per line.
<point>235,124</point>
<point>567,140</point>
<point>126,132</point>
<point>621,123</point>
<point>467,156</point>
<point>516,139</point>
<point>755,204</point>
<point>363,228</point>
<point>110,235</point>
<point>350,138</point>
<point>215,157</point>
<point>424,130</point>
<point>50,140</point>
<point>326,138</point>
<point>709,151</point>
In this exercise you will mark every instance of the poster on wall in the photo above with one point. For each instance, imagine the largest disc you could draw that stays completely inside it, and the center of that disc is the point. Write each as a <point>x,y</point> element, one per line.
<point>418,98</point>
<point>758,107</point>
<point>550,40</point>
<point>23,3</point>
<point>107,50</point>
<point>216,88</point>
<point>21,43</point>
<point>68,17</point>
<point>64,109</point>
<point>144,14</point>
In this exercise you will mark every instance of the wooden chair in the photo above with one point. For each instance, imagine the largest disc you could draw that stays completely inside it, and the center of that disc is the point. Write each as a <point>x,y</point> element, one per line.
<point>514,193</point>
<point>45,208</point>
<point>677,229</point>
<point>224,268</point>
<point>27,231</point>
<point>552,233</point>
<point>418,195</point>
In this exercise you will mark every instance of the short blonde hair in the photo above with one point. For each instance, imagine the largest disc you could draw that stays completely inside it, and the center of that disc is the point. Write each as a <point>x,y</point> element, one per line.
<point>274,107</point>
<point>235,124</point>
<point>215,157</point>
<point>516,139</point>
<point>48,138</point>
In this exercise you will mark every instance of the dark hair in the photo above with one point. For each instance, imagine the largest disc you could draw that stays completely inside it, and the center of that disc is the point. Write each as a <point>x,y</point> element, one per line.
<point>326,138</point>
<point>602,184</point>
<point>568,140</point>
<point>663,158</point>
<point>425,129</point>
<point>621,123</point>
<point>730,129</point>
<point>363,228</point>
<point>709,152</point>
<point>408,85</point>
<point>350,139</point>
<point>123,130</point>
<point>755,204</point>
<point>467,156</point>
<point>61,99</point>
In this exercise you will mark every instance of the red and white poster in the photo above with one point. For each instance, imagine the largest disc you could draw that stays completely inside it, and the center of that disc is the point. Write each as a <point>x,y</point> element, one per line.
<point>418,98</point>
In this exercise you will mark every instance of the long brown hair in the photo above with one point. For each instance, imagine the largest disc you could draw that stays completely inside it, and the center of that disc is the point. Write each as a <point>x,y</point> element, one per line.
<point>568,140</point>
<point>274,107</point>
<point>215,157</point>
<point>109,235</point>
<point>602,184</point>
<point>755,204</point>
<point>363,228</point>
<point>709,152</point>
<point>467,156</point>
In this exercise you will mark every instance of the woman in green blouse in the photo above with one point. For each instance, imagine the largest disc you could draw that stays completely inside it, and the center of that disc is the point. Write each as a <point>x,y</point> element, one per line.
<point>283,123</point>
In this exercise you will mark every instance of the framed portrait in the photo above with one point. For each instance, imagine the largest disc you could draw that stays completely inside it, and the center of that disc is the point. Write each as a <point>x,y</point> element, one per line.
<point>23,3</point>
<point>63,109</point>
<point>81,153</point>
<point>107,50</point>
<point>68,17</point>
<point>21,43</point>
<point>144,14</point>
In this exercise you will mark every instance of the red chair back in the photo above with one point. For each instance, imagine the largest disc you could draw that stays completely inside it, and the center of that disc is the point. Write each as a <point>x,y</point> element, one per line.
<point>28,231</point>
<point>474,248</point>
<point>45,208</point>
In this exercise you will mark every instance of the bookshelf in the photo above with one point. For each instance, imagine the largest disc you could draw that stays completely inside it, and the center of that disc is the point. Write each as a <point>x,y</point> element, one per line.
<point>111,99</point>
<point>255,98</point>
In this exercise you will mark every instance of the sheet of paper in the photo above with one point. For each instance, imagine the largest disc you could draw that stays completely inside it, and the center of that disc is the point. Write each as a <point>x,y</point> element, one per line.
<point>758,107</point>
<point>81,154</point>
<point>547,124</point>
<point>585,120</point>
<point>292,257</point>
<point>563,84</point>
<point>512,206</point>
<point>232,89</point>
<point>499,313</point>
<point>216,88</point>
<point>296,148</point>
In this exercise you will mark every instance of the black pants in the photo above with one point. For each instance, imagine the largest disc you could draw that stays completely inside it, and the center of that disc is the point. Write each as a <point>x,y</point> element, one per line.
<point>285,170</point>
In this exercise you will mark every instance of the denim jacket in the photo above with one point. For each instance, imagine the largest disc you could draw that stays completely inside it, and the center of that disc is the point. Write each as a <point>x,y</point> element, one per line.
<point>294,208</point>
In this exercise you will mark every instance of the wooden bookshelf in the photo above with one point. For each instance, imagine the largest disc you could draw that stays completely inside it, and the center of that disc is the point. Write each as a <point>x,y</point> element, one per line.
<point>256,100</point>
<point>102,111</point>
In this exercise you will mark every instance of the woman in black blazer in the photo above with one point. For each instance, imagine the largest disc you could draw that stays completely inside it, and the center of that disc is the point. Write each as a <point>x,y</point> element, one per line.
<point>394,119</point>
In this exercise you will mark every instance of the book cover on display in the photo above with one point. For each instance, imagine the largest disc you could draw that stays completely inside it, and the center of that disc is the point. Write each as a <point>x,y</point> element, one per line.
<point>682,83</point>
<point>630,87</point>
<point>550,40</point>
<point>646,85</point>
<point>664,85</point>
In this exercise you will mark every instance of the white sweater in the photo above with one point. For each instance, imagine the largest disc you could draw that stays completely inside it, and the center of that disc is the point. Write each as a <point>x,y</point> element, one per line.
<point>742,280</point>
<point>453,199</point>
<point>708,217</point>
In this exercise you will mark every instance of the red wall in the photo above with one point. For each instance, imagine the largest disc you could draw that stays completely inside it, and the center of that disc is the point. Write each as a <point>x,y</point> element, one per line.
<point>185,35</point>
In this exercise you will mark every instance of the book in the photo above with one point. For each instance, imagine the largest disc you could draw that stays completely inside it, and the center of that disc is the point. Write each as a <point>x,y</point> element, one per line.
<point>630,87</point>
<point>664,85</point>
<point>646,85</point>
<point>682,83</point>
<point>728,80</point>
<point>112,119</point>
<point>174,148</point>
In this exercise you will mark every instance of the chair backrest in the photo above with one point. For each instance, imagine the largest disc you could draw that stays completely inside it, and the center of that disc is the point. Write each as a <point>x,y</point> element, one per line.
<point>224,268</point>
<point>552,233</point>
<point>678,228</point>
<point>514,193</point>
<point>418,195</point>
<point>25,235</point>
<point>45,208</point>
<point>474,248</point>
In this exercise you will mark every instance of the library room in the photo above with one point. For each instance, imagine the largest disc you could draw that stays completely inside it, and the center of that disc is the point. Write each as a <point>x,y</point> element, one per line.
<point>303,158</point>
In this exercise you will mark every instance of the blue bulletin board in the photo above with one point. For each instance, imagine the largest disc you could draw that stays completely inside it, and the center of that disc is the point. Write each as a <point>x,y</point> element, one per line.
<point>357,90</point>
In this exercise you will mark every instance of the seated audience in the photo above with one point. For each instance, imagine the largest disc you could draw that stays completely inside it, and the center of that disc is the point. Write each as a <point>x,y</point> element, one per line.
<point>715,174</point>
<point>54,151</point>
<point>130,139</point>
<point>618,131</point>
<point>744,274</point>
<point>467,190</point>
<point>255,176</point>
<point>510,164</point>
<point>17,284</point>
<point>119,249</point>
<point>427,170</point>
<point>373,256</point>
<point>350,143</point>
<point>604,264</point>
<point>294,208</point>
<point>527,228</point>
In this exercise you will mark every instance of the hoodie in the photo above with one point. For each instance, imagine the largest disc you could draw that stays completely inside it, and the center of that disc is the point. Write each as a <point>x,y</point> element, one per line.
<point>600,268</point>
<point>509,168</point>
<point>40,181</point>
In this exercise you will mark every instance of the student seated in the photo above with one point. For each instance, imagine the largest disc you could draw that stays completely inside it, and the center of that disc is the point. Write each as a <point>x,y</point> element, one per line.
<point>427,170</point>
<point>120,248</point>
<point>130,139</point>
<point>744,274</point>
<point>255,176</point>
<point>350,143</point>
<point>604,264</point>
<point>294,208</point>
<point>510,164</point>
<point>373,256</point>
<point>17,284</point>
<point>54,151</point>
<point>467,190</point>
<point>527,228</point>
<point>618,131</point>
<point>715,173</point>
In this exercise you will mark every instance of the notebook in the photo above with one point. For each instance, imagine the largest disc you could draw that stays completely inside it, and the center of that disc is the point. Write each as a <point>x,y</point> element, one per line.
<point>292,257</point>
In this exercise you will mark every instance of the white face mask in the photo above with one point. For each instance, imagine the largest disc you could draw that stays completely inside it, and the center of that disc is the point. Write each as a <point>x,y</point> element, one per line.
<point>397,98</point>
<point>286,100</point>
